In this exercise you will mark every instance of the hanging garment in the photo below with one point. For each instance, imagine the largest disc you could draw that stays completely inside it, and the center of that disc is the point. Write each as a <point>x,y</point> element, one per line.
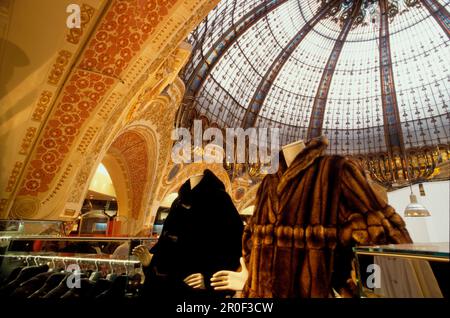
<point>95,276</point>
<point>59,290</point>
<point>86,289</point>
<point>14,273</point>
<point>31,285</point>
<point>201,234</point>
<point>101,285</point>
<point>25,274</point>
<point>117,289</point>
<point>307,218</point>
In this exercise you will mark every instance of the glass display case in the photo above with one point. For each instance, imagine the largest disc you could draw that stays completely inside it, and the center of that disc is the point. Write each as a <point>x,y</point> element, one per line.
<point>103,265</point>
<point>94,222</point>
<point>27,229</point>
<point>418,270</point>
<point>11,228</point>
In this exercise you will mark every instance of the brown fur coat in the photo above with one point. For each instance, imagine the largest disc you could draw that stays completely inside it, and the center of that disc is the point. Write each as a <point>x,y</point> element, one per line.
<point>307,218</point>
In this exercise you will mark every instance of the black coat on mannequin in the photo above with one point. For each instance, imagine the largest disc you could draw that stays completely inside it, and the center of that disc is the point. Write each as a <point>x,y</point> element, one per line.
<point>201,234</point>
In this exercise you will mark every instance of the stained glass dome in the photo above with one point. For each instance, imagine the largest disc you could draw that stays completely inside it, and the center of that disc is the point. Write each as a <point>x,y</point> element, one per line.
<point>373,76</point>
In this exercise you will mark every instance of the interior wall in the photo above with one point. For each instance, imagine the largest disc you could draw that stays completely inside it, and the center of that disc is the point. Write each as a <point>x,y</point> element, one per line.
<point>435,228</point>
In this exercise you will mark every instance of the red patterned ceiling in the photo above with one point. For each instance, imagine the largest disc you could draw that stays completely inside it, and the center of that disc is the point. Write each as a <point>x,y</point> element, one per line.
<point>119,37</point>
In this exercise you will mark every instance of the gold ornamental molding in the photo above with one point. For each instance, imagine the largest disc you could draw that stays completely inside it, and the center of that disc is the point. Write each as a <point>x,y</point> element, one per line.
<point>58,67</point>
<point>13,177</point>
<point>167,104</point>
<point>397,170</point>
<point>3,203</point>
<point>87,138</point>
<point>107,107</point>
<point>59,184</point>
<point>42,105</point>
<point>27,140</point>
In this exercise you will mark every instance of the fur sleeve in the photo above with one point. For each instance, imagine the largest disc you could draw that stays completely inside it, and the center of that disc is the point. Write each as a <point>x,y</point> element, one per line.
<point>365,216</point>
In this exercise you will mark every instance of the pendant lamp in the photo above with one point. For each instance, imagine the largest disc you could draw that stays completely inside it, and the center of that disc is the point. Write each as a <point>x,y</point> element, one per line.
<point>414,208</point>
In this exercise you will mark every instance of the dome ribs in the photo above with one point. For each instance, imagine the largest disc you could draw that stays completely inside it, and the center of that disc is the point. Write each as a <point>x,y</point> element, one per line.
<point>228,38</point>
<point>320,101</point>
<point>439,13</point>
<point>392,127</point>
<point>271,74</point>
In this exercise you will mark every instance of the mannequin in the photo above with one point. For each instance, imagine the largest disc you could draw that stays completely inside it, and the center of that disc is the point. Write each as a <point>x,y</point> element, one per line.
<point>142,252</point>
<point>145,256</point>
<point>201,235</point>
<point>308,216</point>
<point>229,280</point>
<point>291,151</point>
<point>195,180</point>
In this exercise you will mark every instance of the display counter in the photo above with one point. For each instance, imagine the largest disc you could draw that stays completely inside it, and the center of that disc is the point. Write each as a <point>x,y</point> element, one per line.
<point>418,270</point>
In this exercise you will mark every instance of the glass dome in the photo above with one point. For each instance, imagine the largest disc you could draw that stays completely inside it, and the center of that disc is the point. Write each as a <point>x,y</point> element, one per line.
<point>370,75</point>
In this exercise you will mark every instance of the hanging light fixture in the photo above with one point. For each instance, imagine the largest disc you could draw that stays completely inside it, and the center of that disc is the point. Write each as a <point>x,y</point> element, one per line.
<point>414,208</point>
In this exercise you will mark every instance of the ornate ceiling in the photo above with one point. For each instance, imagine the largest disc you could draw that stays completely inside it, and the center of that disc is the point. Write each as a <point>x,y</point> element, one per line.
<point>69,96</point>
<point>373,76</point>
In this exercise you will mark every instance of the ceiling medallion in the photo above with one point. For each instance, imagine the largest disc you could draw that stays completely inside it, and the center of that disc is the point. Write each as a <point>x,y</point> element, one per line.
<point>369,11</point>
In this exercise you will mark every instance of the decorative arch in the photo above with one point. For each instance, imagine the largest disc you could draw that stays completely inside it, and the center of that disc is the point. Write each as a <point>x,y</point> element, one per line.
<point>132,160</point>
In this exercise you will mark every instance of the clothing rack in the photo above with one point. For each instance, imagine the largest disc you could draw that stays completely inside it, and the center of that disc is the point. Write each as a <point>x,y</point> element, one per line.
<point>76,259</point>
<point>99,265</point>
<point>44,276</point>
<point>79,238</point>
